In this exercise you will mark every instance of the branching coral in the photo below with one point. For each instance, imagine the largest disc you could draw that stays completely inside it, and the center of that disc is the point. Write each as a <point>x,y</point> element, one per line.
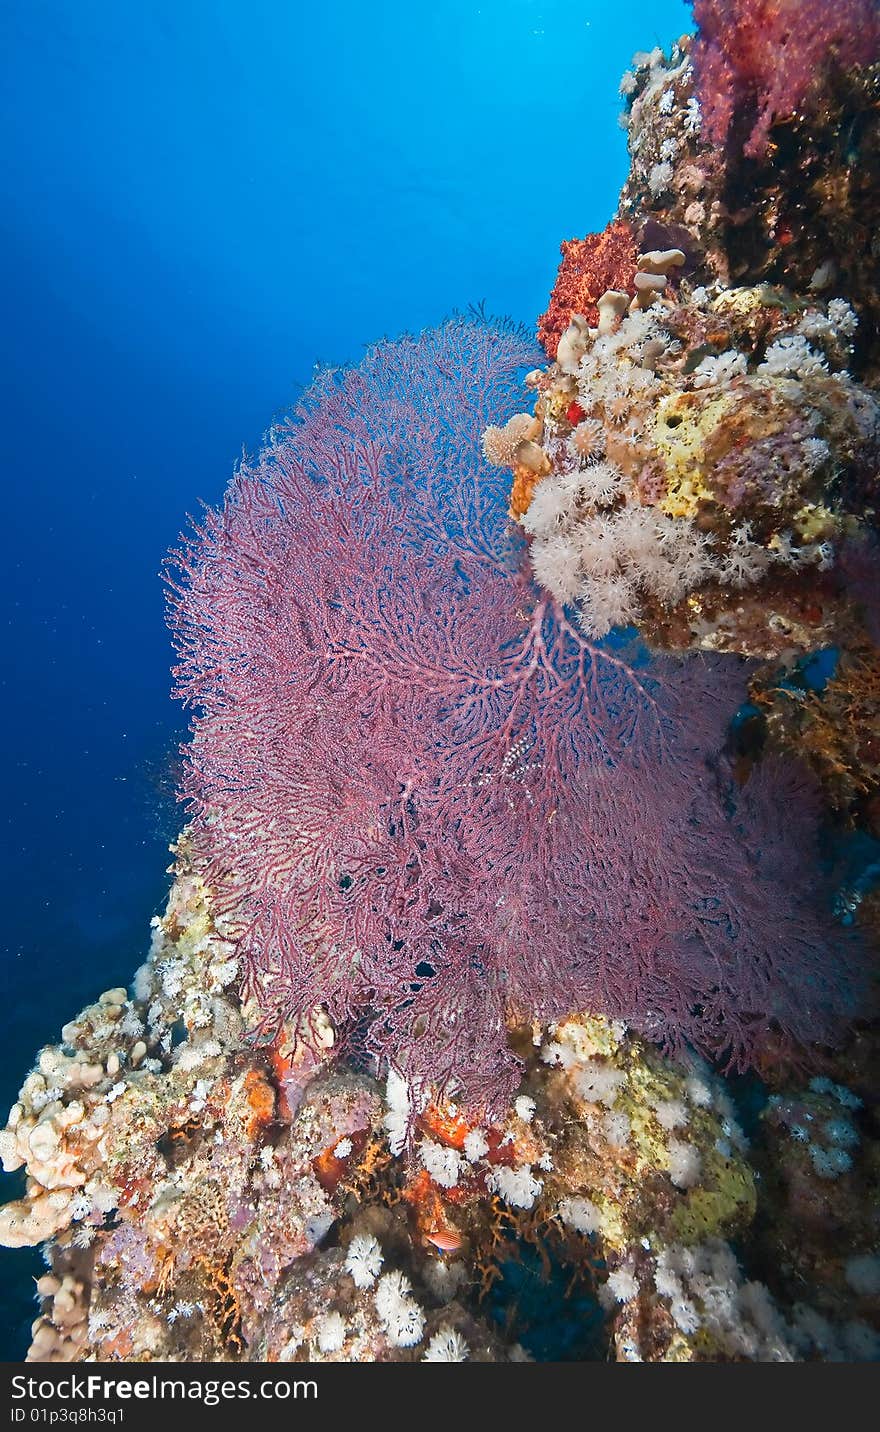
<point>419,791</point>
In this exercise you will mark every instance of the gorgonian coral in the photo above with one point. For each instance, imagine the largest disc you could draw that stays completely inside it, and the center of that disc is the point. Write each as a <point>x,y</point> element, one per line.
<point>763,59</point>
<point>429,804</point>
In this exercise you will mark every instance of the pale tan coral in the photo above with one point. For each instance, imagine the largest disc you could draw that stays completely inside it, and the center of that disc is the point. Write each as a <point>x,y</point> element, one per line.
<point>652,272</point>
<point>500,444</point>
<point>573,344</point>
<point>61,1333</point>
<point>612,306</point>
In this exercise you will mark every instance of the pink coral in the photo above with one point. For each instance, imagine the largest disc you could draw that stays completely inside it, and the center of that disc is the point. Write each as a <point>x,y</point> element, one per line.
<point>428,803</point>
<point>763,59</point>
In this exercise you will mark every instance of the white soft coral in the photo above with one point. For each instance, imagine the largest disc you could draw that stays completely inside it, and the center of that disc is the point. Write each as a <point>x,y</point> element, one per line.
<point>556,563</point>
<point>446,1345</point>
<point>746,561</point>
<point>792,357</point>
<point>601,483</point>
<point>401,1316</point>
<point>553,504</point>
<point>605,604</point>
<point>363,1260</point>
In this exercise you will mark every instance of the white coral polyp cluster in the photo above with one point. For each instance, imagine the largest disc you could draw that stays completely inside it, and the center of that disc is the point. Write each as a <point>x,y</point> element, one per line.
<point>516,1186</point>
<point>622,1285</point>
<point>500,444</point>
<point>475,1145</point>
<point>704,1290</point>
<point>443,1164</point>
<point>399,1111</point>
<point>399,1313</point>
<point>684,1163</point>
<point>580,1214</point>
<point>447,1345</point>
<point>363,1260</point>
<point>331,1333</point>
<point>600,541</point>
<point>792,357</point>
<point>594,544</point>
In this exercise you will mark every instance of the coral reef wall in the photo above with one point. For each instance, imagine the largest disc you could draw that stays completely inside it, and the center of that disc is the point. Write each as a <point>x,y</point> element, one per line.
<point>709,428</point>
<point>202,1198</point>
<point>534,788</point>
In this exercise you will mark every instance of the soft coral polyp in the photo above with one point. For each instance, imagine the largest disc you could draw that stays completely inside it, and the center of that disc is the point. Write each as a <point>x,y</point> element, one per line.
<point>771,57</point>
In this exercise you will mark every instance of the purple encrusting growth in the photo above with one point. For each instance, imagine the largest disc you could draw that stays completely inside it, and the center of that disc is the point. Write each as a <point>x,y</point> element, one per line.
<point>770,469</point>
<point>427,801</point>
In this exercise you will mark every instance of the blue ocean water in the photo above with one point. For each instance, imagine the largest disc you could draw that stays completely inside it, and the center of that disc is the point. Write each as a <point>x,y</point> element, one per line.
<point>201,201</point>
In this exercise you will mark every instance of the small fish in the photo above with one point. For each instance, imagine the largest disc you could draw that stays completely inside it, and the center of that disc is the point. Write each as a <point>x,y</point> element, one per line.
<point>445,1239</point>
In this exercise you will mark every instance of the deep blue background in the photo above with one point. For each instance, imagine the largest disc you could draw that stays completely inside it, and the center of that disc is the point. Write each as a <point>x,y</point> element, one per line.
<point>201,198</point>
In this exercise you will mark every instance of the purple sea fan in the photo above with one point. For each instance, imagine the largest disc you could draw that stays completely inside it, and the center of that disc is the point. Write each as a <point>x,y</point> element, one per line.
<point>426,801</point>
